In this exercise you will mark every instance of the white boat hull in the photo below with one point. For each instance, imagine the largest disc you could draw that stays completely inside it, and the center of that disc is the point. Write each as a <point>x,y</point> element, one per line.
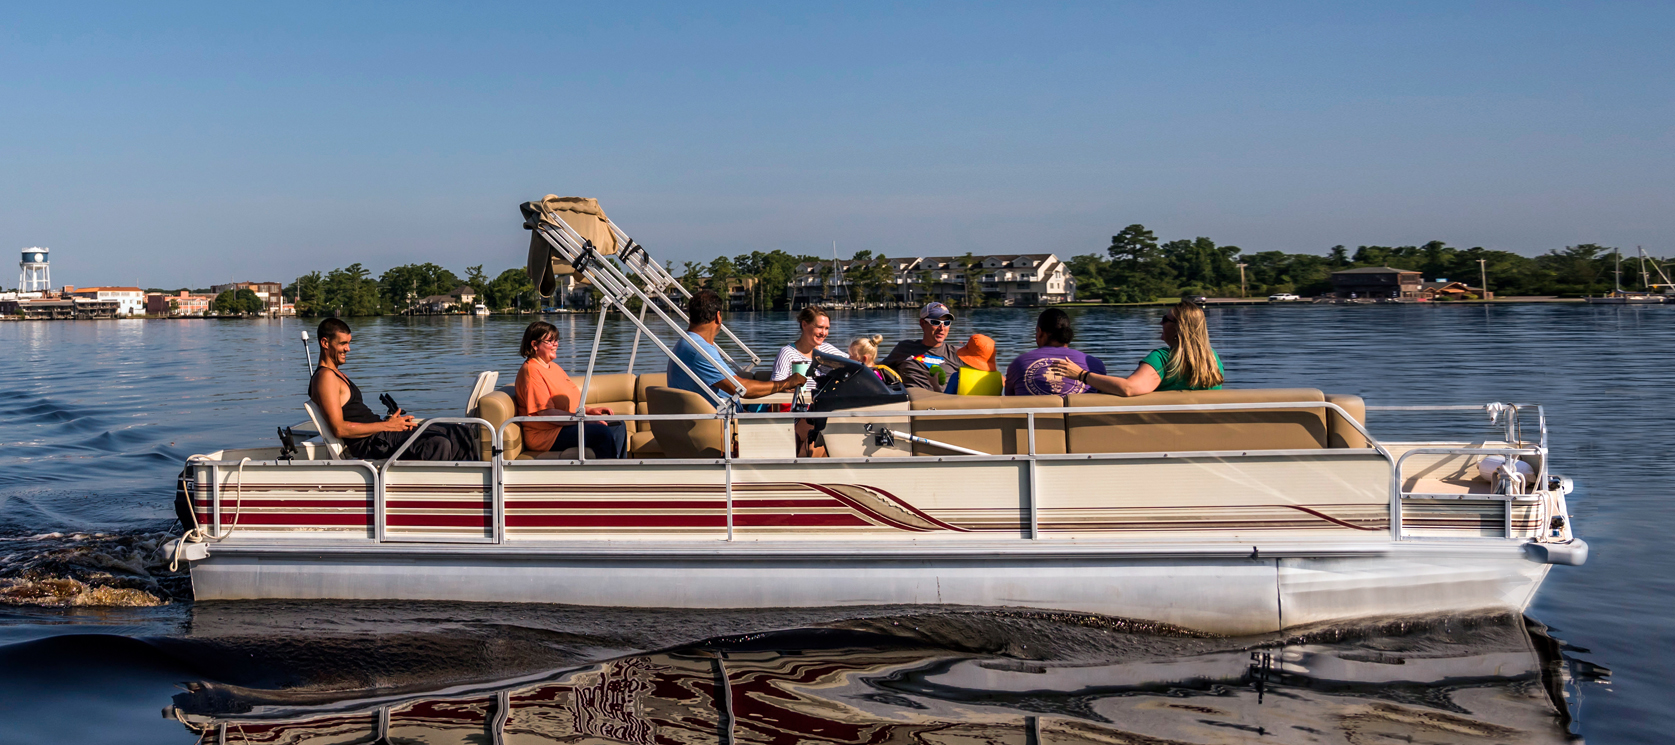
<point>1214,589</point>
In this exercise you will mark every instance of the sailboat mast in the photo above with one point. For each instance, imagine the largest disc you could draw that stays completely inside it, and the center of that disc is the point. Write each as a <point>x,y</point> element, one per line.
<point>1619,271</point>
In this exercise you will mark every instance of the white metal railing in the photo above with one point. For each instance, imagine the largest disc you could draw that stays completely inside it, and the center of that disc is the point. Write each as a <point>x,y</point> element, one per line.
<point>1507,415</point>
<point>1031,457</point>
<point>497,494</point>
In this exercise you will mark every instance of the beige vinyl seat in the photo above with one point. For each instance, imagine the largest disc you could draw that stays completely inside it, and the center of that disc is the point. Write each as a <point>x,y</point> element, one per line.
<point>643,443</point>
<point>994,435</point>
<point>700,438</point>
<point>1301,428</point>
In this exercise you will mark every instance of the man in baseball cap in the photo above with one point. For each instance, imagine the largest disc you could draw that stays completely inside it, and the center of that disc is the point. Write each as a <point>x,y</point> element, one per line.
<point>917,360</point>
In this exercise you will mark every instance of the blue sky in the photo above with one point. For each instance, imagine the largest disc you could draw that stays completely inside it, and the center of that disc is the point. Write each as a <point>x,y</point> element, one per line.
<point>183,145</point>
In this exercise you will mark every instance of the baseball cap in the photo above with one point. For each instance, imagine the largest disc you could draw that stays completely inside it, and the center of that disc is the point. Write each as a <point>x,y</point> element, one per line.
<point>935,310</point>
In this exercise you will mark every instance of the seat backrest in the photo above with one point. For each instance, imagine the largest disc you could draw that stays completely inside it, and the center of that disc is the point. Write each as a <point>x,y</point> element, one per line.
<point>485,383</point>
<point>684,439</point>
<point>641,384</point>
<point>1006,434</point>
<point>333,444</point>
<point>496,407</point>
<point>615,392</point>
<point>1340,434</point>
<point>1276,429</point>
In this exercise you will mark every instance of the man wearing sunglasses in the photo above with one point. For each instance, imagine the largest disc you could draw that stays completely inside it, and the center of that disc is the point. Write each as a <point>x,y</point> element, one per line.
<point>913,359</point>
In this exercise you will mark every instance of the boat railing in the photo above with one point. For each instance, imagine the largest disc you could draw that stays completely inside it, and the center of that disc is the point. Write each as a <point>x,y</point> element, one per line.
<point>498,495</point>
<point>1030,457</point>
<point>731,419</point>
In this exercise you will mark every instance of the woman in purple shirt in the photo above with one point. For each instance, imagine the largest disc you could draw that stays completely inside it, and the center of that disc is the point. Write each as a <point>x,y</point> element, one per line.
<point>1032,374</point>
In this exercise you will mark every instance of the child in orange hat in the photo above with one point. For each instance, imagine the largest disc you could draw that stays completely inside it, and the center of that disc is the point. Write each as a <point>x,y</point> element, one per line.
<point>979,376</point>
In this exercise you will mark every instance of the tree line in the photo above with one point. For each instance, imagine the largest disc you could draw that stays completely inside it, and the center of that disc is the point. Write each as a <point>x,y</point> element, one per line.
<point>1138,268</point>
<point>352,291</point>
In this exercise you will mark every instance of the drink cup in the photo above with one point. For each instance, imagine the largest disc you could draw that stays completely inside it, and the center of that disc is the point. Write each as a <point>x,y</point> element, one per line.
<point>800,368</point>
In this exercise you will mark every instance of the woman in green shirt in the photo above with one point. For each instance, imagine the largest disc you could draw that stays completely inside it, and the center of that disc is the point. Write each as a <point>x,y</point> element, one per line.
<point>1187,364</point>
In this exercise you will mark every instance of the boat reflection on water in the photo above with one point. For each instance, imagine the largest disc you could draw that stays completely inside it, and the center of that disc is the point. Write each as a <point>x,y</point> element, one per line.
<point>1481,679</point>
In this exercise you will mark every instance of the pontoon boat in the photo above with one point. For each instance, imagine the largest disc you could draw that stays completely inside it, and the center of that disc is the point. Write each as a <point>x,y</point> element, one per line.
<point>1229,512</point>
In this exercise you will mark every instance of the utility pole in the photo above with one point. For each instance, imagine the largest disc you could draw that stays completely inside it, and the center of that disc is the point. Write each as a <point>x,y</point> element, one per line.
<point>1483,276</point>
<point>1242,279</point>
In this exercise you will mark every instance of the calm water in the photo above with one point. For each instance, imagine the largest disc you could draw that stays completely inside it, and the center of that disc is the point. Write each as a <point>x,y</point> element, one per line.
<point>96,417</point>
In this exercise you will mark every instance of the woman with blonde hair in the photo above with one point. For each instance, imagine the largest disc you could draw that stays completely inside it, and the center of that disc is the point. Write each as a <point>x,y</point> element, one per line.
<point>1187,364</point>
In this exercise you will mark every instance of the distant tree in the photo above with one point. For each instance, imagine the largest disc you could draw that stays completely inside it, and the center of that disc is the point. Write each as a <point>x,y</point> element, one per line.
<point>1089,271</point>
<point>511,290</point>
<point>307,295</point>
<point>403,285</point>
<point>1339,256</point>
<point>351,291</point>
<point>692,276</point>
<point>1137,272</point>
<point>476,279</point>
<point>722,271</point>
<point>1200,264</point>
<point>237,303</point>
<point>971,268</point>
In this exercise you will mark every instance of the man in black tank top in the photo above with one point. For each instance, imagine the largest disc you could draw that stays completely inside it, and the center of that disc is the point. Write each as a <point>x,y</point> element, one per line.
<point>364,434</point>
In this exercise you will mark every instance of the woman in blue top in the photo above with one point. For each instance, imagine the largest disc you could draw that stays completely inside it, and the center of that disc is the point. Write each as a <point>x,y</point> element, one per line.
<point>1187,364</point>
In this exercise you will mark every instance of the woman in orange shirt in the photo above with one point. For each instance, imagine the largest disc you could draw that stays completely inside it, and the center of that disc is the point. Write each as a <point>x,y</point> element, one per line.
<point>545,390</point>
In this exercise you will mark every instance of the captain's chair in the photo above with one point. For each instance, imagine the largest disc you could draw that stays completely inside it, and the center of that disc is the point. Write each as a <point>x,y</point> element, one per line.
<point>697,438</point>
<point>333,444</point>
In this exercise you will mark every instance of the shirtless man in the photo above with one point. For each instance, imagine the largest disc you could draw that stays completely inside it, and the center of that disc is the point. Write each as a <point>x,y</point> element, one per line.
<point>366,435</point>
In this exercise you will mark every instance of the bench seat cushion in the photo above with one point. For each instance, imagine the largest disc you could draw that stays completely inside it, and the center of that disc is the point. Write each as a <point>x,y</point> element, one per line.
<point>1195,431</point>
<point>994,435</point>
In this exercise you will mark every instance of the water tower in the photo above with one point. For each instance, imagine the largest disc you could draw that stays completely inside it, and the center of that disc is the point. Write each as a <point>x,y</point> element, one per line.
<point>36,275</point>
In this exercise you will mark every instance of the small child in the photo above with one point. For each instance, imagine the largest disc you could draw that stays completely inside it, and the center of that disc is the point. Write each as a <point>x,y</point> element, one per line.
<point>864,349</point>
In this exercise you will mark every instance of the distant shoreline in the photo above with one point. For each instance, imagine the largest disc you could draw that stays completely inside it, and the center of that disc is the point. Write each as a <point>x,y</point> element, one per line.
<point>1242,302</point>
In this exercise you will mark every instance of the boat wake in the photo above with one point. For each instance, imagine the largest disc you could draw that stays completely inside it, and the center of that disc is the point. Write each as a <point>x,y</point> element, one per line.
<point>93,569</point>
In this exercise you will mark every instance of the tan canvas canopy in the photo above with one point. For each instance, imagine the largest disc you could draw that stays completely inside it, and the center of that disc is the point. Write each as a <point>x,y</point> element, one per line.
<point>584,216</point>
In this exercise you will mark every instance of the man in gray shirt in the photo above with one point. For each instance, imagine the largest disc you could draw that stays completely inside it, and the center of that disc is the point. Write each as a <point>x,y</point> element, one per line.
<point>912,359</point>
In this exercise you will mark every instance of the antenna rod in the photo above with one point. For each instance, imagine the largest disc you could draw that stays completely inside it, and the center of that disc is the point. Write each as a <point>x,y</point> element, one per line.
<point>308,354</point>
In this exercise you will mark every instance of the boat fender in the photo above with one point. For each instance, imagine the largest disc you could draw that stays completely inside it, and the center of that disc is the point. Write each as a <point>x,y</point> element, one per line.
<point>1574,553</point>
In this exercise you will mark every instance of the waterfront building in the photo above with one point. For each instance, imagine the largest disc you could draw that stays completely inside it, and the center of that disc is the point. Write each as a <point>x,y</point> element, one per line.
<point>270,293</point>
<point>130,301</point>
<point>65,308</point>
<point>1443,289</point>
<point>1004,279</point>
<point>182,304</point>
<point>35,272</point>
<point>462,298</point>
<point>1377,282</point>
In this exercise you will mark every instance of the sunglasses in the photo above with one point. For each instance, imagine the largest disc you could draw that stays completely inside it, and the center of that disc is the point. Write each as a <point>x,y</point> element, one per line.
<point>545,342</point>
<point>939,322</point>
<point>1168,319</point>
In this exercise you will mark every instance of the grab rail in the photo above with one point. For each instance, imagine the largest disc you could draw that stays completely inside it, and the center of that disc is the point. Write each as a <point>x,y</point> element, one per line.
<point>1505,451</point>
<point>497,529</point>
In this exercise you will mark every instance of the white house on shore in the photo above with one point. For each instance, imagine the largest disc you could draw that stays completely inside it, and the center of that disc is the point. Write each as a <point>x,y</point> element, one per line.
<point>1007,279</point>
<point>130,301</point>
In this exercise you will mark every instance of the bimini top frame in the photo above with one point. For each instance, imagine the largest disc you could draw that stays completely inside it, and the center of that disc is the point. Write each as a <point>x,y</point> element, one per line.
<point>614,273</point>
